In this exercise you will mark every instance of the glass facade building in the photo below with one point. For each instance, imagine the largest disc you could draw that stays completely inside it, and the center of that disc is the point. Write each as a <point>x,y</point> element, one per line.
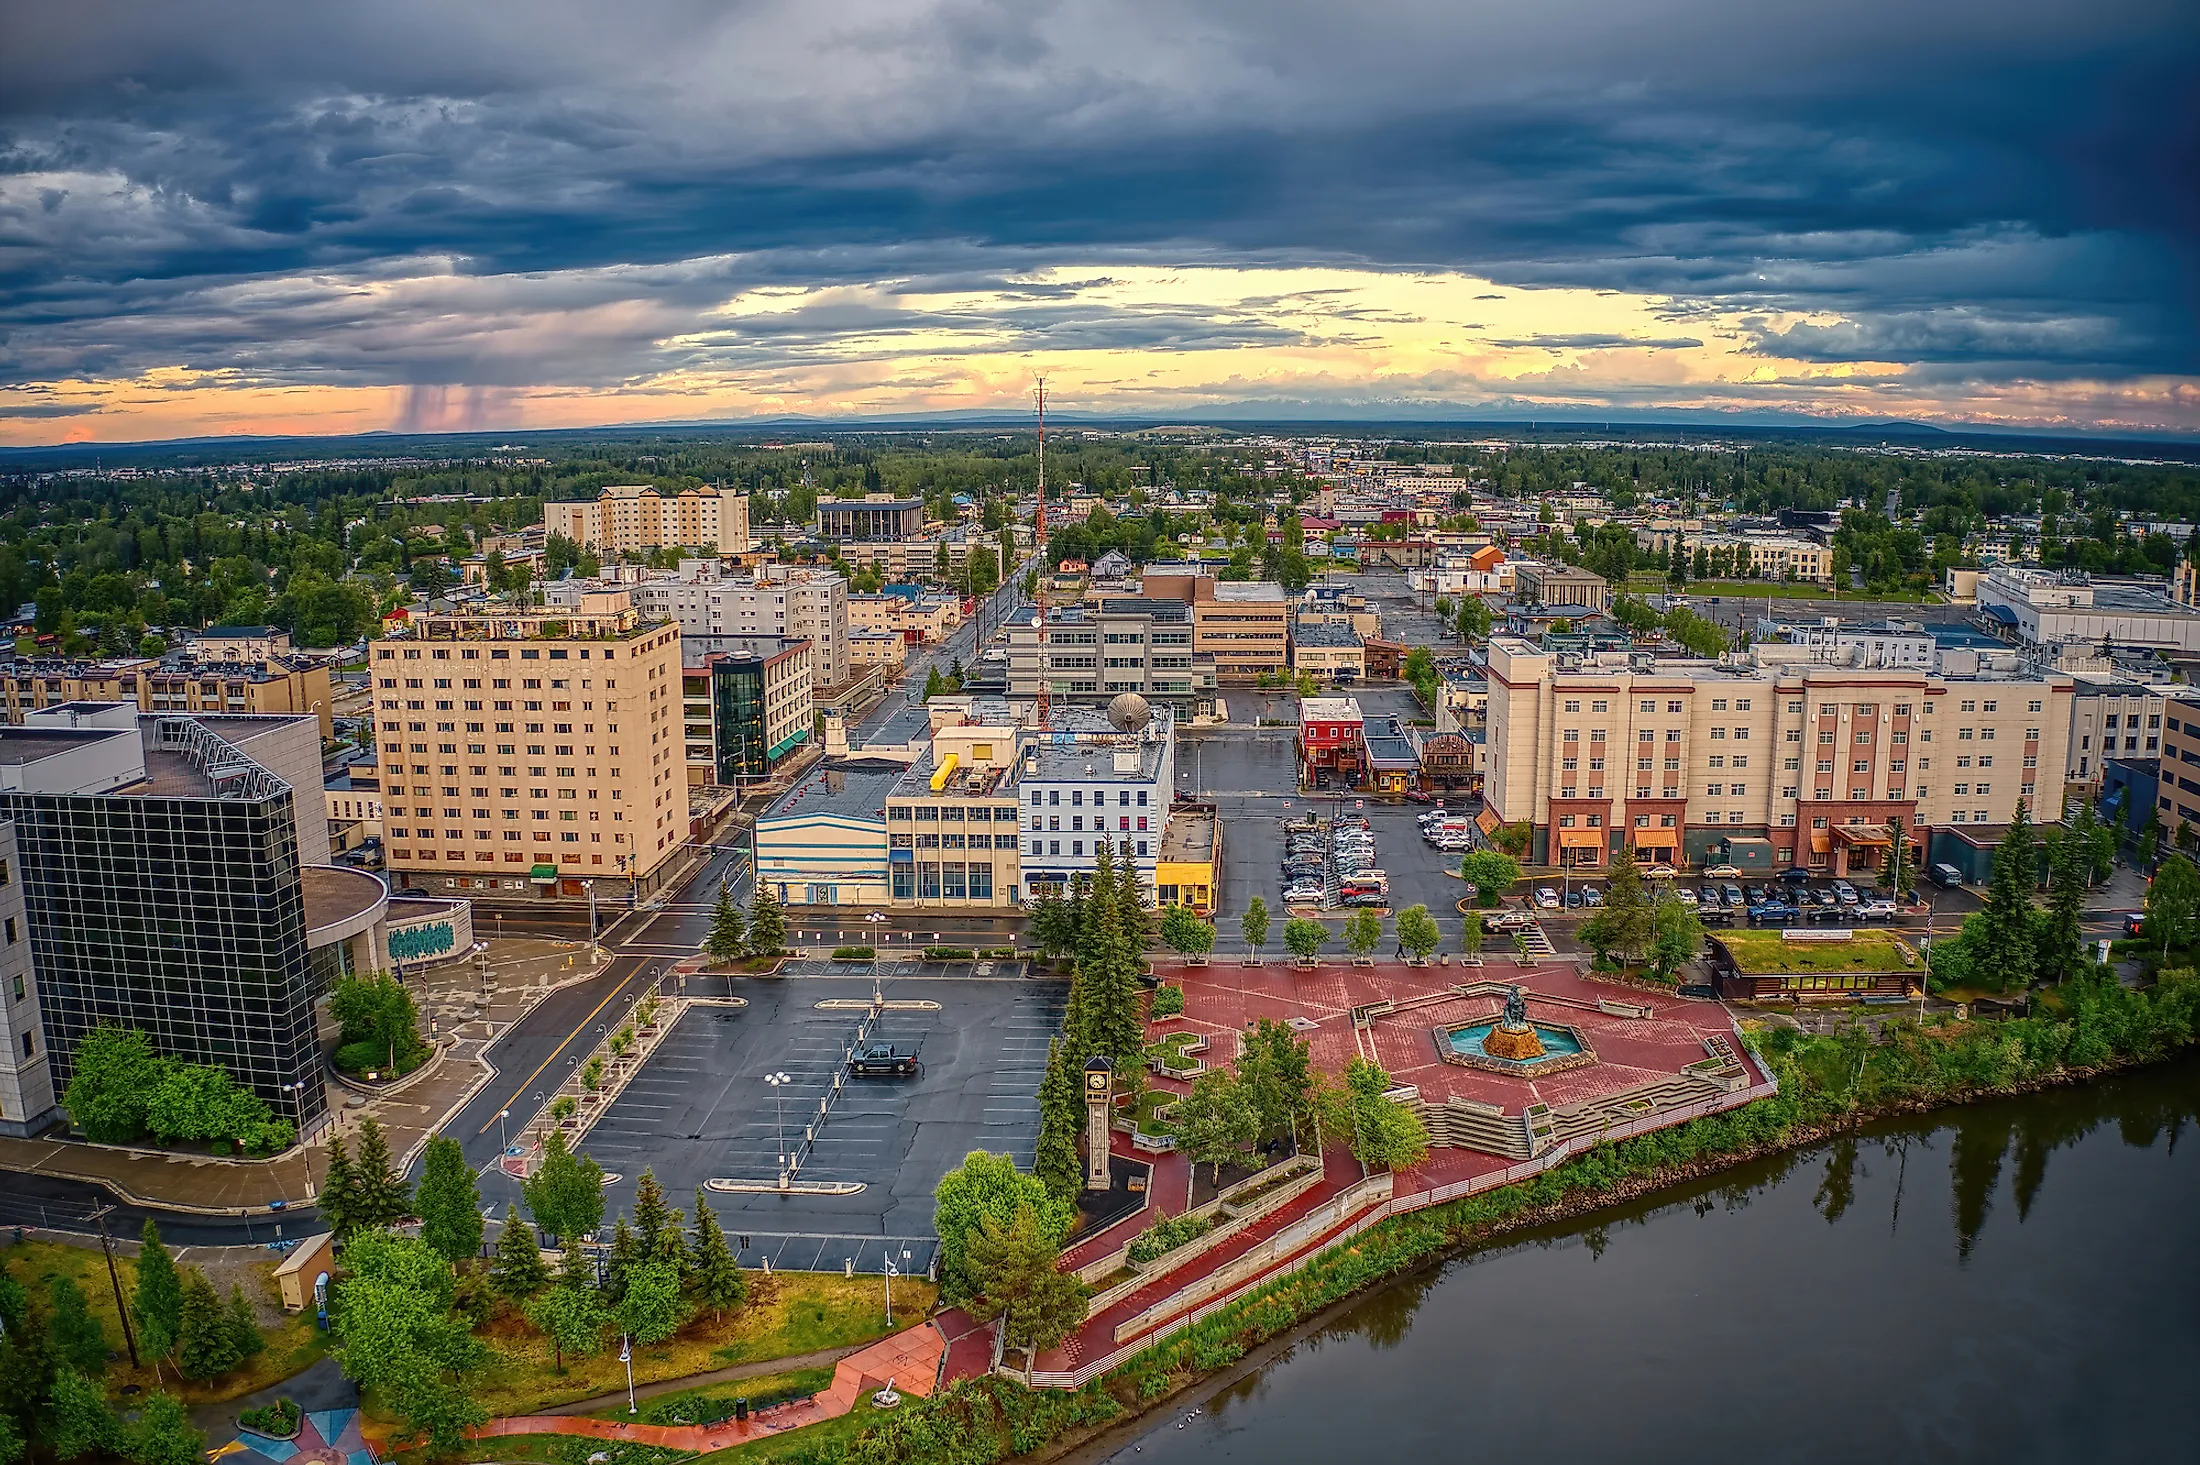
<point>172,904</point>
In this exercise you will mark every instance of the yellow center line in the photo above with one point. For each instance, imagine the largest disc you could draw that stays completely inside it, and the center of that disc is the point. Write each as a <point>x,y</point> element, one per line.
<point>554,1052</point>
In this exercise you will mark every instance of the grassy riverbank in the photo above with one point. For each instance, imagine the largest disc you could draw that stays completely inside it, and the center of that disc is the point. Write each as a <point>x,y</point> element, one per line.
<point>2088,1028</point>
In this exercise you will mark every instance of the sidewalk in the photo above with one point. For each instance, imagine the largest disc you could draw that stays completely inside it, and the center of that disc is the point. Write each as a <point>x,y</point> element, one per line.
<point>466,1017</point>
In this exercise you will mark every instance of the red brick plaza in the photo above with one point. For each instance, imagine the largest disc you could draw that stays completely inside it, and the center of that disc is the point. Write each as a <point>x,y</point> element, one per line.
<point>1646,1060</point>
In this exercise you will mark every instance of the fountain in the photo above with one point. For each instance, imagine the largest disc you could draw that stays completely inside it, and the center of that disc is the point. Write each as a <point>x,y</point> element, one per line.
<point>1511,1043</point>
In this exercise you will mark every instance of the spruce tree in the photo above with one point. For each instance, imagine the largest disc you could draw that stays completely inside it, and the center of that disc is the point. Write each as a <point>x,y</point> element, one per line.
<point>716,1274</point>
<point>205,1346</point>
<point>157,1301</point>
<point>727,933</point>
<point>1117,925</point>
<point>651,1213</point>
<point>383,1197</point>
<point>767,922</point>
<point>624,1256</point>
<point>339,1194</point>
<point>244,1325</point>
<point>79,1337</point>
<point>2011,942</point>
<point>450,1205</point>
<point>519,1271</point>
<point>1061,1115</point>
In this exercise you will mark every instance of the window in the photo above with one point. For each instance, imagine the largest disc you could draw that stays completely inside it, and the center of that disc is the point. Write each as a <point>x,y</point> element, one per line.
<point>1675,706</point>
<point>1741,704</point>
<point>1648,705</point>
<point>1573,704</point>
<point>1718,704</point>
<point>1600,705</point>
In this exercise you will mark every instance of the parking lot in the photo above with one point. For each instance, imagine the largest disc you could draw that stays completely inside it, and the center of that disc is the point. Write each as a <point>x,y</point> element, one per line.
<point>701,1110</point>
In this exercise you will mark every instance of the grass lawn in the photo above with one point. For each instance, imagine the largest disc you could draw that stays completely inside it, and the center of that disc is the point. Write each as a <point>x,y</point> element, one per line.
<point>786,1315</point>
<point>663,1408</point>
<point>1776,589</point>
<point>292,1344</point>
<point>1169,1049</point>
<point>1763,953</point>
<point>1146,1110</point>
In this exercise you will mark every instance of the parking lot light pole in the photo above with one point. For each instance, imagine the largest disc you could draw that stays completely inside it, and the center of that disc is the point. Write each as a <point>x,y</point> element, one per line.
<point>779,1108</point>
<point>503,1144</point>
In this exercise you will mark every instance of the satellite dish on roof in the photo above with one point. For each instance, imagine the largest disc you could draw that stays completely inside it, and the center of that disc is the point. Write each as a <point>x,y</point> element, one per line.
<point>1129,712</point>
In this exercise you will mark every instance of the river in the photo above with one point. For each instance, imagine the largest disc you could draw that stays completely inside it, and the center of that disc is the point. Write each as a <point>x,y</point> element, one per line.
<point>2013,1281</point>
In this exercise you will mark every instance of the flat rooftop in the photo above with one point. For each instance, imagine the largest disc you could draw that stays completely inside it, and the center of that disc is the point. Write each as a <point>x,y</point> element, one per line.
<point>849,788</point>
<point>1188,836</point>
<point>21,745</point>
<point>1093,762</point>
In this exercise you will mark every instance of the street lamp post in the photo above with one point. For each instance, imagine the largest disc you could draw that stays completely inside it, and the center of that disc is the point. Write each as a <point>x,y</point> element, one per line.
<point>503,1143</point>
<point>595,952</point>
<point>779,1108</point>
<point>626,1356</point>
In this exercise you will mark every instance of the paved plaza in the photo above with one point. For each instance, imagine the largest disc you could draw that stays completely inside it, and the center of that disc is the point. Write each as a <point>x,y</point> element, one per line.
<point>700,1110</point>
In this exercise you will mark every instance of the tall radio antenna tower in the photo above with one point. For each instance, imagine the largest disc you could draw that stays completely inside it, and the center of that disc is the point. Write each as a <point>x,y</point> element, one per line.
<point>1039,543</point>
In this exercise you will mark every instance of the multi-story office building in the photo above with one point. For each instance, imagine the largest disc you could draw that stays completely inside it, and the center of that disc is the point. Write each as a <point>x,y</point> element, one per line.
<point>1775,762</point>
<point>2177,793</point>
<point>747,708</point>
<point>1328,652</point>
<point>27,1096</point>
<point>1074,794</point>
<point>783,601</point>
<point>1243,626</point>
<point>919,557</point>
<point>951,827</point>
<point>531,746</point>
<point>1096,651</point>
<point>1878,644</point>
<point>874,516</point>
<point>2042,608</point>
<point>275,686</point>
<point>630,518</point>
<point>2112,719</point>
<point>163,888</point>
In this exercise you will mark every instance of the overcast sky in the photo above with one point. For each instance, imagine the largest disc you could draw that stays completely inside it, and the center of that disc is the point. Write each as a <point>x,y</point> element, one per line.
<point>413,214</point>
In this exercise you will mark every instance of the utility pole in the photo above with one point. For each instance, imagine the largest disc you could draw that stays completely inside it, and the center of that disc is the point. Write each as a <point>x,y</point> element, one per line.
<point>122,1311</point>
<point>1039,545</point>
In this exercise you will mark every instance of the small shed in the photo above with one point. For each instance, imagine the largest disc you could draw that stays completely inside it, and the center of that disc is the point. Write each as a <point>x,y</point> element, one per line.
<point>310,1258</point>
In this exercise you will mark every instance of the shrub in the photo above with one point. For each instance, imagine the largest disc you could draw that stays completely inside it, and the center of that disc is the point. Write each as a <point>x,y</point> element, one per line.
<point>374,1056</point>
<point>855,953</point>
<point>1165,1236</point>
<point>998,953</point>
<point>949,953</point>
<point>278,1420</point>
<point>1167,1002</point>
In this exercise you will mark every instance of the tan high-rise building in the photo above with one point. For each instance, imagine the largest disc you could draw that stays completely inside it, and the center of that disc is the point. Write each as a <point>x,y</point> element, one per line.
<point>635,517</point>
<point>1770,764</point>
<point>530,748</point>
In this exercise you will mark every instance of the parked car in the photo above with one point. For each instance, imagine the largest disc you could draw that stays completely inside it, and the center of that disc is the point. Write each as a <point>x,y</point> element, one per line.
<point>1826,898</point>
<point>1796,876</point>
<point>1844,892</point>
<point>1506,920</point>
<point>1733,896</point>
<point>1660,871</point>
<point>1573,900</point>
<point>1592,896</point>
<point>1876,910</point>
<point>1416,796</point>
<point>1755,895</point>
<point>1722,872</point>
<point>1302,892</point>
<point>1773,913</point>
<point>1711,913</point>
<point>1546,897</point>
<point>1364,897</point>
<point>1685,895</point>
<point>1708,898</point>
<point>1947,877</point>
<point>2133,921</point>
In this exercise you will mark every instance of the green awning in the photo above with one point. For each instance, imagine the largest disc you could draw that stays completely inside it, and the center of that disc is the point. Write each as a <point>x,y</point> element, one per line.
<point>543,874</point>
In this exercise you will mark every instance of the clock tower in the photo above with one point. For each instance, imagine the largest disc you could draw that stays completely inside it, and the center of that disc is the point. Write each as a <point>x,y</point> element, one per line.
<point>1099,1092</point>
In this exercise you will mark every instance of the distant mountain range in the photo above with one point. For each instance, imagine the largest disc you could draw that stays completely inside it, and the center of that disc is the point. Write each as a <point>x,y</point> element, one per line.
<point>1291,418</point>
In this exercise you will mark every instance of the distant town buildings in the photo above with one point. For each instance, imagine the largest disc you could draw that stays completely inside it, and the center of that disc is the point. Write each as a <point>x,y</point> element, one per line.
<point>632,518</point>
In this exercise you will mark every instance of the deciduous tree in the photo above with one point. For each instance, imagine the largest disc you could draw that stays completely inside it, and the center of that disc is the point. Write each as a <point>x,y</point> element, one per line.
<point>1254,925</point>
<point>1303,939</point>
<point>1363,932</point>
<point>1185,932</point>
<point>572,1318</point>
<point>652,1308</point>
<point>1417,932</point>
<point>1216,1121</point>
<point>1491,873</point>
<point>449,1204</point>
<point>565,1195</point>
<point>986,1185</point>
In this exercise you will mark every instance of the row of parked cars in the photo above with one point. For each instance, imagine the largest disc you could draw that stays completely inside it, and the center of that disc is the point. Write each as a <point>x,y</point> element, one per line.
<point>1766,905</point>
<point>1310,848</point>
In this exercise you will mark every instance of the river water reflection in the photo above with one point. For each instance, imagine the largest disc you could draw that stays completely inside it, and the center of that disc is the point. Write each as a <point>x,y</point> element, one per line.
<point>2015,1281</point>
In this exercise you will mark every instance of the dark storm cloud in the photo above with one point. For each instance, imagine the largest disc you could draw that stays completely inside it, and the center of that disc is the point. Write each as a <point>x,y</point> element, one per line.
<point>1959,183</point>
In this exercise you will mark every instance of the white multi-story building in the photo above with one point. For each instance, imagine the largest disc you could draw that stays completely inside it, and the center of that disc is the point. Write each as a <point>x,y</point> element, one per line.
<point>2050,608</point>
<point>2112,719</point>
<point>1878,644</point>
<point>1073,794</point>
<point>786,601</point>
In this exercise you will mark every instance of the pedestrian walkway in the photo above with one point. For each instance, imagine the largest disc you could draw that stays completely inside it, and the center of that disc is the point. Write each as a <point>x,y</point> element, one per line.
<point>466,1006</point>
<point>909,1362</point>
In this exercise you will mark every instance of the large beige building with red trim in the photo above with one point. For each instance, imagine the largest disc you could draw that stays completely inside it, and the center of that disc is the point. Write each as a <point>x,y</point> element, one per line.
<point>1768,763</point>
<point>631,517</point>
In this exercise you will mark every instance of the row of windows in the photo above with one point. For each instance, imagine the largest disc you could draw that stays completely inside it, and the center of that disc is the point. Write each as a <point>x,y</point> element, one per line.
<point>412,653</point>
<point>1076,847</point>
<point>1077,798</point>
<point>952,841</point>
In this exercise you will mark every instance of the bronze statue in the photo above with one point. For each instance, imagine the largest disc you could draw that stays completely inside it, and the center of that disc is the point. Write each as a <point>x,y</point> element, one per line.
<point>1516,1008</point>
